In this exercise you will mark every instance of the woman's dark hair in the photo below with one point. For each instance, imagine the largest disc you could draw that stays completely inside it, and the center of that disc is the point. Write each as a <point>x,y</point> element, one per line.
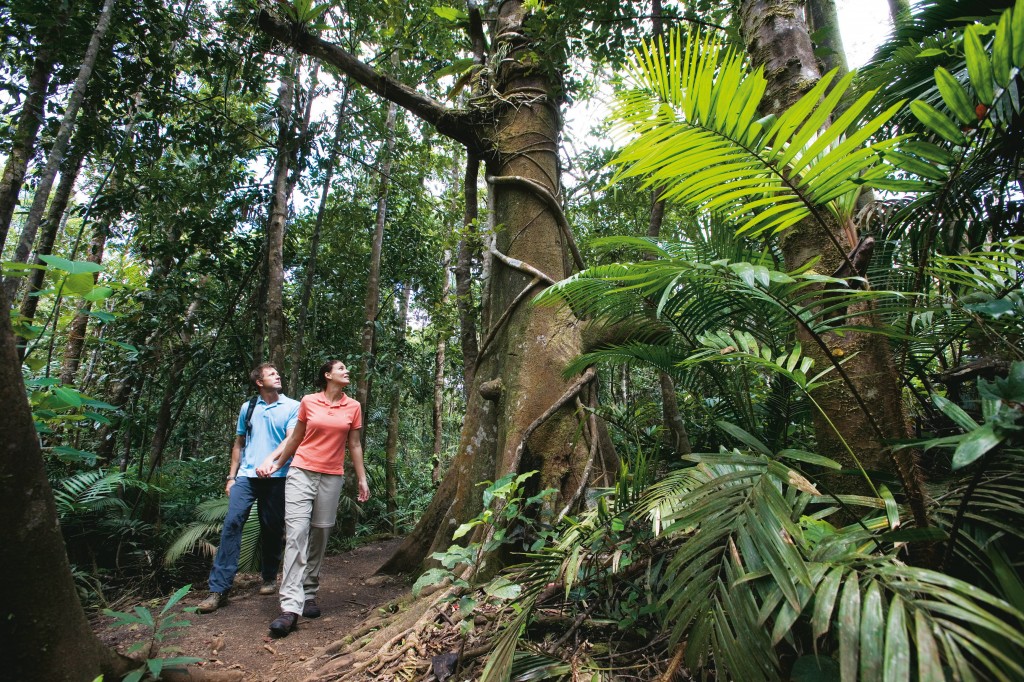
<point>321,380</point>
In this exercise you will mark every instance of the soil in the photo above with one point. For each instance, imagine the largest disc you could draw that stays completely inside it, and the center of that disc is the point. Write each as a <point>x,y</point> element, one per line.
<point>236,636</point>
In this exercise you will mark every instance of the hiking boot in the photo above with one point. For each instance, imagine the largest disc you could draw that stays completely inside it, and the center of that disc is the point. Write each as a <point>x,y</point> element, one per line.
<point>212,602</point>
<point>283,624</point>
<point>268,587</point>
<point>310,609</point>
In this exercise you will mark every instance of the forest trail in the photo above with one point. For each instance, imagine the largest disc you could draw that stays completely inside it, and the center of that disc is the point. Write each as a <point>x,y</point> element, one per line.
<point>236,636</point>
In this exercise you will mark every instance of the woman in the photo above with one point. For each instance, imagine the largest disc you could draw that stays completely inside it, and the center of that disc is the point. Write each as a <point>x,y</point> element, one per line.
<point>327,421</point>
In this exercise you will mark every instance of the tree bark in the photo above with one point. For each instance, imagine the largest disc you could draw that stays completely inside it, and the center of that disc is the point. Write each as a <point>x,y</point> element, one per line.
<point>24,141</point>
<point>464,275</point>
<point>823,21</point>
<point>278,215</point>
<point>43,627</point>
<point>50,226</point>
<point>314,247</point>
<point>60,143</point>
<point>391,444</point>
<point>866,406</point>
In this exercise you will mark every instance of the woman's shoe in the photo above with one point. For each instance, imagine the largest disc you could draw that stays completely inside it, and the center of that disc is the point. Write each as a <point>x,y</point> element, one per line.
<point>283,624</point>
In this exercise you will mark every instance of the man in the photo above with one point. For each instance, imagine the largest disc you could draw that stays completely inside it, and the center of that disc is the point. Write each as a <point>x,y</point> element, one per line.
<point>273,417</point>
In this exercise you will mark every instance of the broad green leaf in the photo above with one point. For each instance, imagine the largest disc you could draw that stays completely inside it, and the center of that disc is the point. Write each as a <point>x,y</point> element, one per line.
<point>937,122</point>
<point>744,437</point>
<point>69,396</point>
<point>872,631</point>
<point>1002,47</point>
<point>430,577</point>
<point>954,412</point>
<point>102,315</point>
<point>810,458</point>
<point>99,294</point>
<point>80,283</point>
<point>897,643</point>
<point>176,597</point>
<point>849,627</point>
<point>450,13</point>
<point>71,267</point>
<point>974,445</point>
<point>978,65</point>
<point>955,96</point>
<point>502,588</point>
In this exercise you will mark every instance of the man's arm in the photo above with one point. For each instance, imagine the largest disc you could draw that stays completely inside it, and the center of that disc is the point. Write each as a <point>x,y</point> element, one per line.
<point>283,452</point>
<point>236,453</point>
<point>355,446</point>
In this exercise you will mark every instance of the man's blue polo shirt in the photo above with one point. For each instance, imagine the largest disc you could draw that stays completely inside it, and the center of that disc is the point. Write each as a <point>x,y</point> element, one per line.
<point>270,425</point>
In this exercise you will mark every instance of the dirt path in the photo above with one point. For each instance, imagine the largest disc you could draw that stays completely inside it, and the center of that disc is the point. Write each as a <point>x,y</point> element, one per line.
<point>236,635</point>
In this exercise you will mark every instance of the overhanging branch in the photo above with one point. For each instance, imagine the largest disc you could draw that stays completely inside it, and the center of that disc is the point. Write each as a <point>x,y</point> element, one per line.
<point>453,123</point>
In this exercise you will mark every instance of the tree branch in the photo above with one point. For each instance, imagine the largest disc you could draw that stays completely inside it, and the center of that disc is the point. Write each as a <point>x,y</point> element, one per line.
<point>453,123</point>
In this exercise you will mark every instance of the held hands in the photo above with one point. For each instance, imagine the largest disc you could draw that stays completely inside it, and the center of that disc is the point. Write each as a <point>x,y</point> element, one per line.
<point>364,491</point>
<point>269,466</point>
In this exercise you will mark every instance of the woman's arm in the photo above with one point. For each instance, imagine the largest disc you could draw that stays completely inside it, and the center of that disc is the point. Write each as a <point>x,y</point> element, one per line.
<point>355,446</point>
<point>283,452</point>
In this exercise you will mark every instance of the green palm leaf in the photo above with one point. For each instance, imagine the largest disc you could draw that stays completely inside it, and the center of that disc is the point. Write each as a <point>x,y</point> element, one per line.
<point>691,111</point>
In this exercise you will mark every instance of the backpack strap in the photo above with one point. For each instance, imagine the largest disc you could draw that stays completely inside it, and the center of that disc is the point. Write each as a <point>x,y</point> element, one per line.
<point>248,416</point>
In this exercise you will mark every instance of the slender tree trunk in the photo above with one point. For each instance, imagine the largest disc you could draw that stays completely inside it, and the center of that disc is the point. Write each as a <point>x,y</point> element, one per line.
<point>464,275</point>
<point>24,142</point>
<point>437,414</point>
<point>181,358</point>
<point>278,215</point>
<point>372,301</point>
<point>867,409</point>
<point>823,21</point>
<point>899,12</point>
<point>79,325</point>
<point>60,143</point>
<point>51,225</point>
<point>314,247</point>
<point>391,445</point>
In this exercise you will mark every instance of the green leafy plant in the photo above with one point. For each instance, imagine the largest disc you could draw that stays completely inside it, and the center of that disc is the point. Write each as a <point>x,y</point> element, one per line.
<point>504,521</point>
<point>160,627</point>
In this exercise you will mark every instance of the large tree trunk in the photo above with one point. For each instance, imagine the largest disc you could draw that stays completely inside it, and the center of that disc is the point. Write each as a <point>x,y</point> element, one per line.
<point>24,141</point>
<point>865,406</point>
<point>437,411</point>
<point>521,414</point>
<point>391,445</point>
<point>314,247</point>
<point>277,217</point>
<point>60,143</point>
<point>43,627</point>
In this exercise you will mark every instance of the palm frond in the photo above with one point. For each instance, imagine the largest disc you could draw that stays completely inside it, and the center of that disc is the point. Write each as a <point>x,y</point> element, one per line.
<point>692,111</point>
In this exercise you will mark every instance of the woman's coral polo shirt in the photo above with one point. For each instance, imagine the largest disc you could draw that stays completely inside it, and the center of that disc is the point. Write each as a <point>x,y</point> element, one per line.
<point>327,427</point>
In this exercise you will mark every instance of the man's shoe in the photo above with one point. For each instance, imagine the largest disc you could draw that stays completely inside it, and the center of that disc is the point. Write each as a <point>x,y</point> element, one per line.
<point>283,624</point>
<point>212,602</point>
<point>310,609</point>
<point>268,587</point>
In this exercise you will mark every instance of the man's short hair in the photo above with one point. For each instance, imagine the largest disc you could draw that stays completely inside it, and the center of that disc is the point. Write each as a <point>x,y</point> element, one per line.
<point>257,373</point>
